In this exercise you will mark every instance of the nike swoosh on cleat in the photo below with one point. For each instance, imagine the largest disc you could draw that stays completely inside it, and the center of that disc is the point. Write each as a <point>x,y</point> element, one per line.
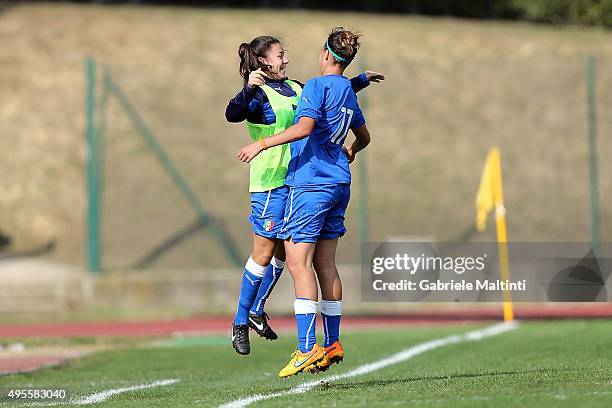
<point>259,326</point>
<point>301,362</point>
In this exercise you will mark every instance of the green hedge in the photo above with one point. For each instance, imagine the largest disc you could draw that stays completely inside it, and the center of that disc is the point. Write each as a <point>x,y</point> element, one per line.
<point>586,12</point>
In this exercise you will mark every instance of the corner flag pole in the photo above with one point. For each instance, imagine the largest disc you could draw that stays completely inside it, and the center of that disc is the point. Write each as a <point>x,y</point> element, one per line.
<point>490,196</point>
<point>502,237</point>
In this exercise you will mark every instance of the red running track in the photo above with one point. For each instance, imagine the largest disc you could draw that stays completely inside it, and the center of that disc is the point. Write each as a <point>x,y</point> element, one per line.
<point>221,325</point>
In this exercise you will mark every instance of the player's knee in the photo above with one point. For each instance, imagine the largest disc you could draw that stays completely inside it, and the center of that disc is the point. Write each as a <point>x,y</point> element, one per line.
<point>294,265</point>
<point>299,270</point>
<point>261,258</point>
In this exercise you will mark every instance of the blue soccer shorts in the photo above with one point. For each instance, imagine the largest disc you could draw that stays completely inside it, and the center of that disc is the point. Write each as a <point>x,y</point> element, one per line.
<point>315,212</point>
<point>267,211</point>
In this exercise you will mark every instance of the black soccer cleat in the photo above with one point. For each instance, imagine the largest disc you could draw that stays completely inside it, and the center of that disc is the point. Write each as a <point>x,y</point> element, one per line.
<point>240,338</point>
<point>261,326</point>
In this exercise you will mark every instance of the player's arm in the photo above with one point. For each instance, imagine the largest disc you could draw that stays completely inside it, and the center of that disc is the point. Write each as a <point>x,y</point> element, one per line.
<point>300,130</point>
<point>241,106</point>
<point>364,79</point>
<point>308,111</point>
<point>362,139</point>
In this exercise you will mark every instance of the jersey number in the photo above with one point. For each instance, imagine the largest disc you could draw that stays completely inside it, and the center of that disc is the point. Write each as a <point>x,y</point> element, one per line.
<point>340,133</point>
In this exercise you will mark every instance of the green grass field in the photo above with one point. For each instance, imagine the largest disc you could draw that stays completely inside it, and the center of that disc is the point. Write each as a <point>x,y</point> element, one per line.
<point>561,364</point>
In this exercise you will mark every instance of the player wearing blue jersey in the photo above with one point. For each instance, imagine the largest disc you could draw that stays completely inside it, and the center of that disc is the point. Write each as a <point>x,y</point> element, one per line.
<point>319,179</point>
<point>267,103</point>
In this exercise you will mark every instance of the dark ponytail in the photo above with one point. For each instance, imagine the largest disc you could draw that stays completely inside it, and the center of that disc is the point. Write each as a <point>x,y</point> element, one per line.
<point>250,53</point>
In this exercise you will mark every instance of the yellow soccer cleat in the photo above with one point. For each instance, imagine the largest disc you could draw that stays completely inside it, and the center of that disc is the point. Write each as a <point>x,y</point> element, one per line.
<point>333,354</point>
<point>301,361</point>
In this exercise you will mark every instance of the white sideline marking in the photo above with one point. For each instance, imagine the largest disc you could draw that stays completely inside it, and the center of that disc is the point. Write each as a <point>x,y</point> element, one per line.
<point>377,365</point>
<point>104,395</point>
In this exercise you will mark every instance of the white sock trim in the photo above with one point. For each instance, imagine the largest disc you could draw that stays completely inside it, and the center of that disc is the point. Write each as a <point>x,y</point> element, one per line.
<point>331,307</point>
<point>255,268</point>
<point>277,264</point>
<point>304,306</point>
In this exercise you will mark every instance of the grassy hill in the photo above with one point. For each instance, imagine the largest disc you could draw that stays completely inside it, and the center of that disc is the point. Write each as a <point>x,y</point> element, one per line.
<point>454,89</point>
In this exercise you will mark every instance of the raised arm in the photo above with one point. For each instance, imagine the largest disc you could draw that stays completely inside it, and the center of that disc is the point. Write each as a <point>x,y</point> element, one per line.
<point>362,80</point>
<point>298,131</point>
<point>237,109</point>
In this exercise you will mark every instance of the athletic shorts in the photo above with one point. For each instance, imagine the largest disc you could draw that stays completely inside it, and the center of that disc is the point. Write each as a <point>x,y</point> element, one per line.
<point>315,212</point>
<point>267,211</point>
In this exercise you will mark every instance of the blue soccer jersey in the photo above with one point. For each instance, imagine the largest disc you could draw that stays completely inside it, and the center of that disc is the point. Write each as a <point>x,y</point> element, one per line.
<point>319,159</point>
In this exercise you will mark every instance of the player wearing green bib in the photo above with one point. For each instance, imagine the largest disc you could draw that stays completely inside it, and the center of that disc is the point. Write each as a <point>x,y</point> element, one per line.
<point>268,170</point>
<point>267,104</point>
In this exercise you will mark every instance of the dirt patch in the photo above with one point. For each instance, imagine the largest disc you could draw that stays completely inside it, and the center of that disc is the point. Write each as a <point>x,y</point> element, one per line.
<point>25,359</point>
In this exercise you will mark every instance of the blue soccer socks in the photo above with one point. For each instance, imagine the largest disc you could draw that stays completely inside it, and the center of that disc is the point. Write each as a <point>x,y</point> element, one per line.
<point>306,318</point>
<point>251,280</point>
<point>273,273</point>
<point>331,311</point>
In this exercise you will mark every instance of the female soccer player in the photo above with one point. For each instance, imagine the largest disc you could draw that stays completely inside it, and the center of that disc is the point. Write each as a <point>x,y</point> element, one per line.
<point>267,102</point>
<point>319,180</point>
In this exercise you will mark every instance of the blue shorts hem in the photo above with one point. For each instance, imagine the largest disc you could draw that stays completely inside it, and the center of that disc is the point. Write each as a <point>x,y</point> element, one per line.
<point>332,235</point>
<point>299,240</point>
<point>265,234</point>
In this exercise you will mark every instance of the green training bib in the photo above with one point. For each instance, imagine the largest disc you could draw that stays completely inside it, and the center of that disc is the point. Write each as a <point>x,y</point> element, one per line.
<point>269,168</point>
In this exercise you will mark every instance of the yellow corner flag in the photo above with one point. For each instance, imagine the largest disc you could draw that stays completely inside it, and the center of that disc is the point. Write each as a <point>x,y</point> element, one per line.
<point>490,195</point>
<point>484,199</point>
